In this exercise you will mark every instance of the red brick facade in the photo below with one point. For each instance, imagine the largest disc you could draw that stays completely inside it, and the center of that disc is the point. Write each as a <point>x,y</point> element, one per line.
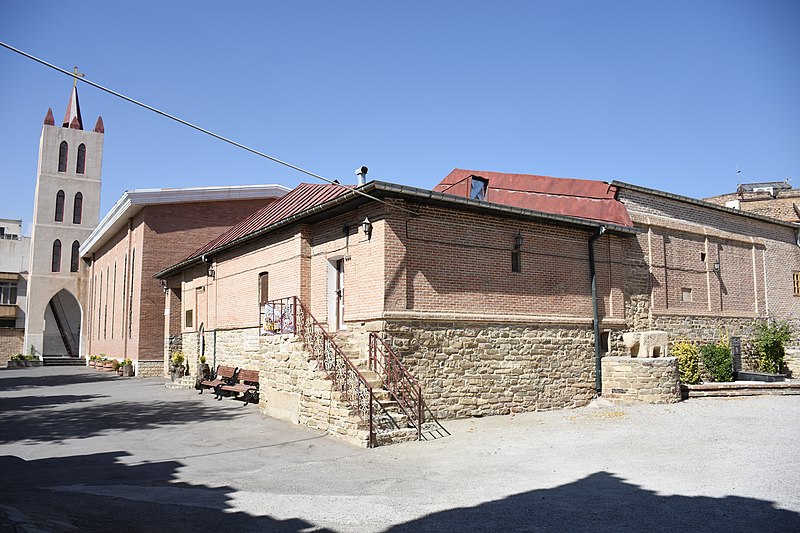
<point>125,315</point>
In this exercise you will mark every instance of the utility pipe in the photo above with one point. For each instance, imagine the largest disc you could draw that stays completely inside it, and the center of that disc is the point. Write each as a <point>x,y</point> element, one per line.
<point>598,378</point>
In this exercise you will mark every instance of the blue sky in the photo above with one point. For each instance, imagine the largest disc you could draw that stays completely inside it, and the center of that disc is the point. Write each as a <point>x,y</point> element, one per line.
<point>670,95</point>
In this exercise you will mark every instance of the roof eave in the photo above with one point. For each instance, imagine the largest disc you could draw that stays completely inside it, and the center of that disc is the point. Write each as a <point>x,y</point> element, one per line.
<point>703,203</point>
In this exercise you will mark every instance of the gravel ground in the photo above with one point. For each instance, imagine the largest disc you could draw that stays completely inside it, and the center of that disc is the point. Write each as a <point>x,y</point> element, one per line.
<point>82,451</point>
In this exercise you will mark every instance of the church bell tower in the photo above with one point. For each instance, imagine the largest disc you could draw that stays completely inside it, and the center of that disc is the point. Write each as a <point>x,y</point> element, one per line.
<point>66,211</point>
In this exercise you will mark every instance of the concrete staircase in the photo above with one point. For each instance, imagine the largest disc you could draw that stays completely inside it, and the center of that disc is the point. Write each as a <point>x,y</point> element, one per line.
<point>186,382</point>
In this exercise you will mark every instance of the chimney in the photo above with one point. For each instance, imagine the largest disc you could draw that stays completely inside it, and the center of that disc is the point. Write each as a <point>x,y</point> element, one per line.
<point>361,172</point>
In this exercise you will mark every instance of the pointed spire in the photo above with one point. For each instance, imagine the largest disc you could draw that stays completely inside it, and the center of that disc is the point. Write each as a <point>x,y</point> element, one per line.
<point>73,114</point>
<point>99,127</point>
<point>48,118</point>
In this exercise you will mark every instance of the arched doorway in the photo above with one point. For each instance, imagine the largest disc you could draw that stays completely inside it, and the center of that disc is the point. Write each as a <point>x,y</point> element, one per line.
<point>62,326</point>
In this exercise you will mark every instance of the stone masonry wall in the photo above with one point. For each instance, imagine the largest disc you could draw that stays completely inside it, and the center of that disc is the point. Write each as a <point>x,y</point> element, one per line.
<point>294,389</point>
<point>475,369</point>
<point>638,379</point>
<point>149,369</point>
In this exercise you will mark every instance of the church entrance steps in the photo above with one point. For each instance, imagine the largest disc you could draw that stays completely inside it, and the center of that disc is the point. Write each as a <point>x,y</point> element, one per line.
<point>63,361</point>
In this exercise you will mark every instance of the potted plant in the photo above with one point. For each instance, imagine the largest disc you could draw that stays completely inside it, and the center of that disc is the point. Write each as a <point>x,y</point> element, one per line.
<point>203,369</point>
<point>115,367</point>
<point>127,368</point>
<point>177,369</point>
<point>108,364</point>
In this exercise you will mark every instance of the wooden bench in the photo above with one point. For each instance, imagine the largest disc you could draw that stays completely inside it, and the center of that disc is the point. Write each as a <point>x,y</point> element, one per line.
<point>246,385</point>
<point>224,375</point>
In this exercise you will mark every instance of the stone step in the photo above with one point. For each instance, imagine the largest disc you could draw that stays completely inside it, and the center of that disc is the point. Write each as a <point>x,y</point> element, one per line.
<point>64,361</point>
<point>186,382</point>
<point>710,390</point>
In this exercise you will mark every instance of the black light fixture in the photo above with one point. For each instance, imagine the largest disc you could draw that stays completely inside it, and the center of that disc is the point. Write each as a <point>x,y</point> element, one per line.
<point>518,241</point>
<point>367,227</point>
<point>716,266</point>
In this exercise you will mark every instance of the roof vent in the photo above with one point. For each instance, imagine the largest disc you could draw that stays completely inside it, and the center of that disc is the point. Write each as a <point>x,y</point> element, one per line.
<point>361,172</point>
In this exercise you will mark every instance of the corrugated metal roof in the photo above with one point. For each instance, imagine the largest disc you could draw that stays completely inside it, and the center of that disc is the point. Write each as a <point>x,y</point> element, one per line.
<point>302,197</point>
<point>591,200</point>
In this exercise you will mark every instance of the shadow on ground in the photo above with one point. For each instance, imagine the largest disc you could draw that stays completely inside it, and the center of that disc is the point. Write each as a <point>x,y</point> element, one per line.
<point>78,420</point>
<point>97,492</point>
<point>14,380</point>
<point>604,502</point>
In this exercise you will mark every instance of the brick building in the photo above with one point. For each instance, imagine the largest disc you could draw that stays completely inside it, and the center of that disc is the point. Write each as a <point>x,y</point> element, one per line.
<point>482,286</point>
<point>14,256</point>
<point>775,199</point>
<point>145,231</point>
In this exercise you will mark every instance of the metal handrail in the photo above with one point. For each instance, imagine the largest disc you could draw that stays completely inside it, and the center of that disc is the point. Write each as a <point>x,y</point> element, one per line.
<point>290,316</point>
<point>397,380</point>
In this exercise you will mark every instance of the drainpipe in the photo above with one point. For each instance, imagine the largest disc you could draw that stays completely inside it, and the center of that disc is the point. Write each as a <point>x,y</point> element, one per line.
<point>598,378</point>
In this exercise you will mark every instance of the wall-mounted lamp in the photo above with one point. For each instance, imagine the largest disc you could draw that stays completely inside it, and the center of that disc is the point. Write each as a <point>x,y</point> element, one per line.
<point>716,266</point>
<point>367,227</point>
<point>212,273</point>
<point>518,241</point>
<point>164,285</point>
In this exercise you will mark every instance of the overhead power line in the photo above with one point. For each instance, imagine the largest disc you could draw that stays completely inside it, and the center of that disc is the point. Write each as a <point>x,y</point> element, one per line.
<point>193,126</point>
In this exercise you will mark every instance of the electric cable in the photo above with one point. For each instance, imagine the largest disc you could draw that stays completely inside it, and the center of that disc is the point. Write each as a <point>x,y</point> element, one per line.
<point>196,127</point>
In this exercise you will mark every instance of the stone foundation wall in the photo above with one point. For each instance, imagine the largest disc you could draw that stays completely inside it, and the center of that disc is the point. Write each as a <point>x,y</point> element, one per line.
<point>294,389</point>
<point>149,369</point>
<point>638,379</point>
<point>11,343</point>
<point>476,369</point>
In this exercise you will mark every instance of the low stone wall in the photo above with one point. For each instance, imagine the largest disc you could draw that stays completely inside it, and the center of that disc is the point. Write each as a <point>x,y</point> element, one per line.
<point>149,369</point>
<point>638,379</point>
<point>791,361</point>
<point>294,389</point>
<point>475,369</point>
<point>11,343</point>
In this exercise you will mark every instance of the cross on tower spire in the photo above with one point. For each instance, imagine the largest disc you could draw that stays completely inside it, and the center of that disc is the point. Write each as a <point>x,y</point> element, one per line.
<point>76,75</point>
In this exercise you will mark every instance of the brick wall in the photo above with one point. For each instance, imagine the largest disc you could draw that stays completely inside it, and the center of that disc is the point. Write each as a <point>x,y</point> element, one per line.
<point>11,343</point>
<point>160,236</point>
<point>781,207</point>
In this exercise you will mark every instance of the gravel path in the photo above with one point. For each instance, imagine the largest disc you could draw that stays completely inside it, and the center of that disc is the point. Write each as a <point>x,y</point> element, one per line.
<point>81,451</point>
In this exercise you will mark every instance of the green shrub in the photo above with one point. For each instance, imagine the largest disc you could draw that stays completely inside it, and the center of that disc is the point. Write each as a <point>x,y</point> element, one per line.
<point>177,359</point>
<point>769,338</point>
<point>20,357</point>
<point>688,355</point>
<point>115,364</point>
<point>718,362</point>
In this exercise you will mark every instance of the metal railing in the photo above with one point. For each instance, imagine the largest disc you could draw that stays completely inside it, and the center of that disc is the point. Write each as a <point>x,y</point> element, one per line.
<point>397,380</point>
<point>290,316</point>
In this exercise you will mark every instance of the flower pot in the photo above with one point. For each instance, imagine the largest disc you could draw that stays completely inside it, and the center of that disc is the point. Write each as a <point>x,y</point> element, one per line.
<point>127,371</point>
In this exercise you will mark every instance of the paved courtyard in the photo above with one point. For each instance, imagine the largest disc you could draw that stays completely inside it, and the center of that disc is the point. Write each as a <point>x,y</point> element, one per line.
<point>83,451</point>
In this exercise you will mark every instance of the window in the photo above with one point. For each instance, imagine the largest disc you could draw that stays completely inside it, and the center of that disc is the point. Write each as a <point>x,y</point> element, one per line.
<point>686,295</point>
<point>263,288</point>
<point>189,318</point>
<point>130,295</point>
<point>80,167</point>
<point>62,156</point>
<point>73,261</point>
<point>478,188</point>
<point>60,206</point>
<point>8,293</point>
<point>605,341</point>
<point>77,208</point>
<point>516,261</point>
<point>56,267</point>
<point>796,282</point>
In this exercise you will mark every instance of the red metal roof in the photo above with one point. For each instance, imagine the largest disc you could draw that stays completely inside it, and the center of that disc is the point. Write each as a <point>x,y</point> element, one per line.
<point>302,197</point>
<point>591,200</point>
